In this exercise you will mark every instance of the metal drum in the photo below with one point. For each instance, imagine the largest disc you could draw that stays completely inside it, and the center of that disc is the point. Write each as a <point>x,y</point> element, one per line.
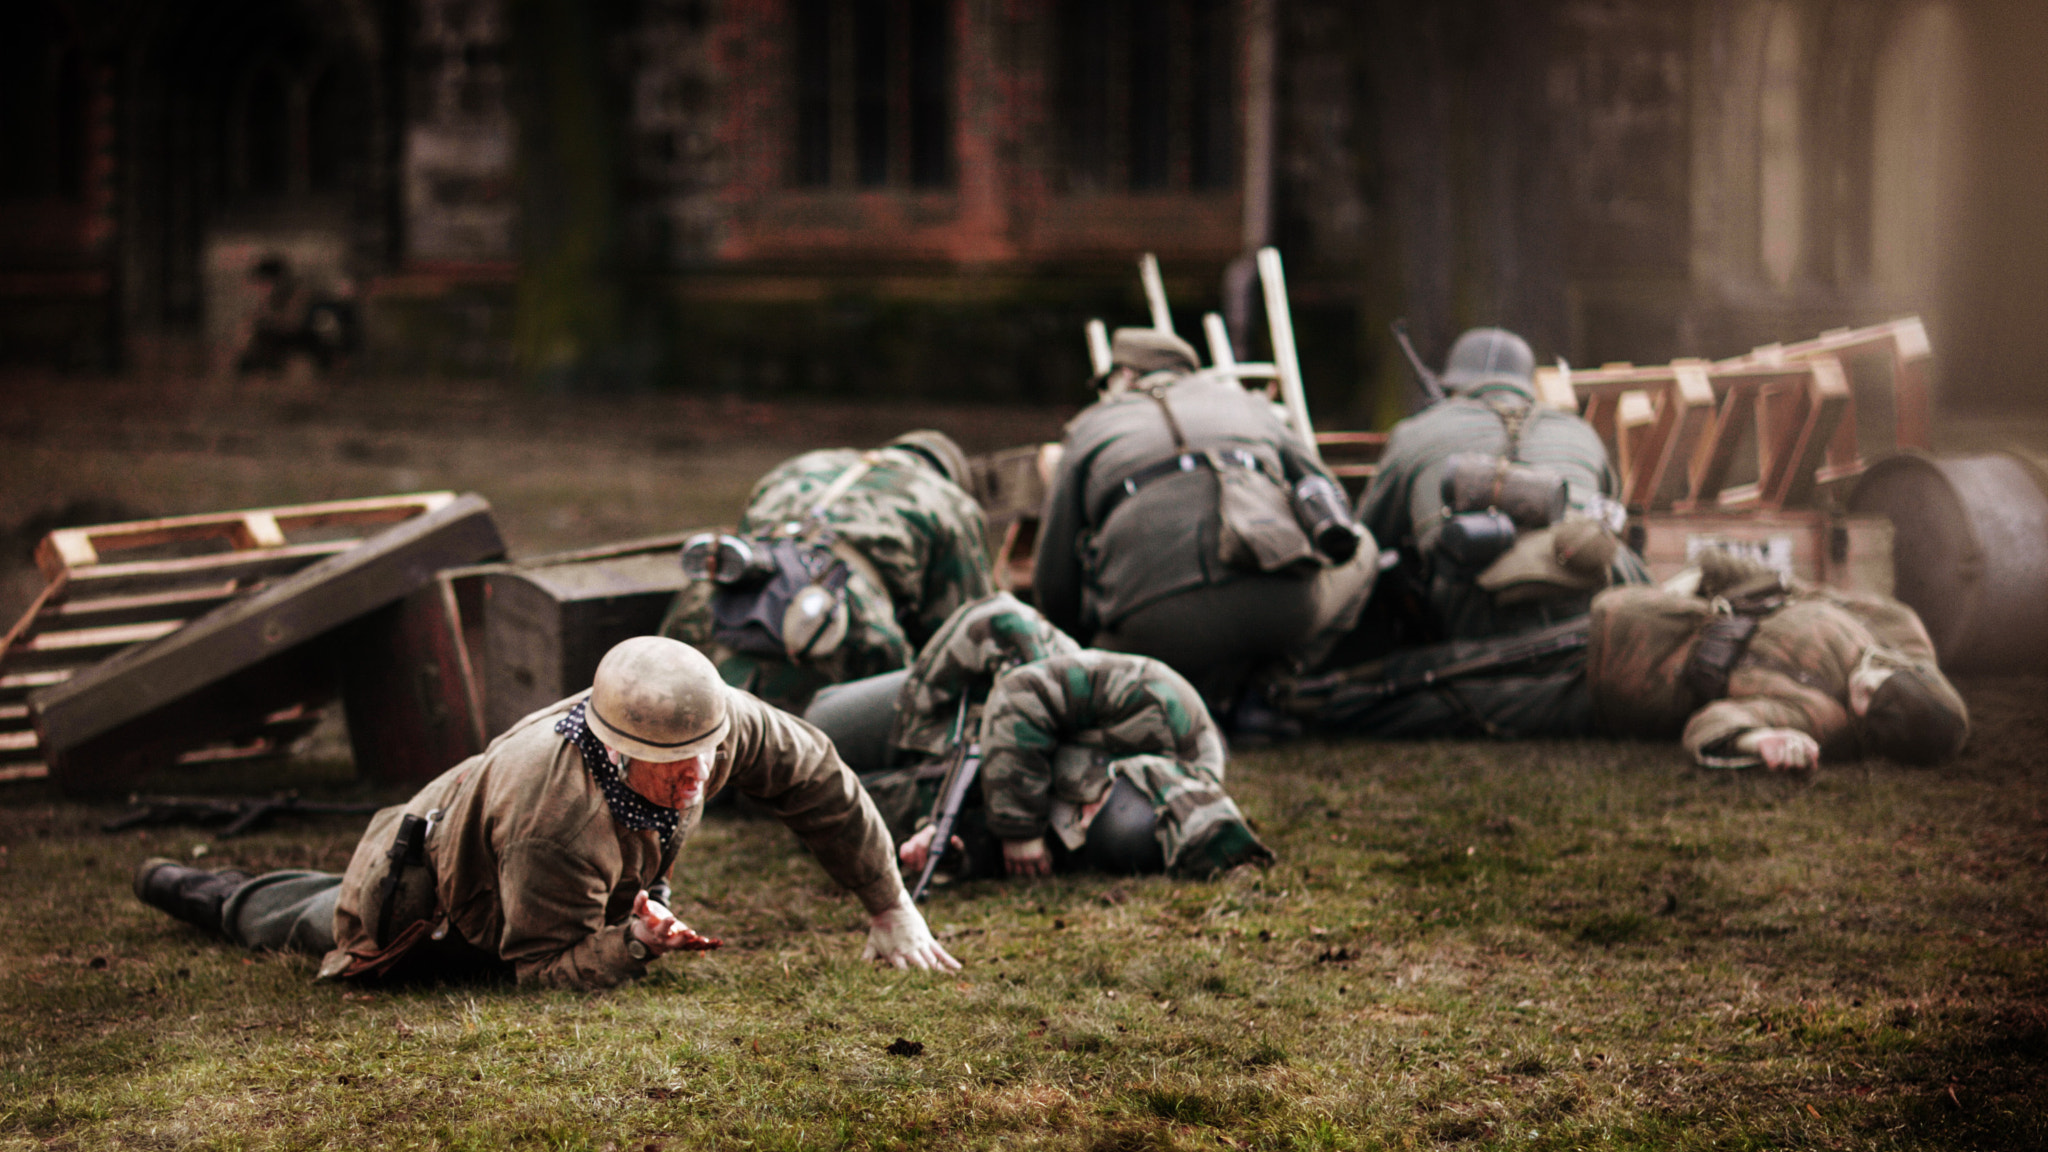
<point>1969,553</point>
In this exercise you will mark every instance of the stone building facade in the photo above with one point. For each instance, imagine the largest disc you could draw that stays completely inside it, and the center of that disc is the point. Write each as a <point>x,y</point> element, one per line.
<point>927,197</point>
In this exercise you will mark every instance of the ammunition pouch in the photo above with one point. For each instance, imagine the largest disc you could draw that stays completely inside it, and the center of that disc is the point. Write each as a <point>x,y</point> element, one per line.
<point>1532,496</point>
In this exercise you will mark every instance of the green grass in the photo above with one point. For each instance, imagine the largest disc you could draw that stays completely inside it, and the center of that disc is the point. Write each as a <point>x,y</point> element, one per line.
<point>1530,946</point>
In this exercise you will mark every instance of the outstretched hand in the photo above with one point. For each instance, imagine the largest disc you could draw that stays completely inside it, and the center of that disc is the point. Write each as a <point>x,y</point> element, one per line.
<point>655,926</point>
<point>900,937</point>
<point>1781,749</point>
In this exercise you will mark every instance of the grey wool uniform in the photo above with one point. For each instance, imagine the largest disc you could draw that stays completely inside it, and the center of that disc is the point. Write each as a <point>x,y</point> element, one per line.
<point>1404,505</point>
<point>533,871</point>
<point>1130,557</point>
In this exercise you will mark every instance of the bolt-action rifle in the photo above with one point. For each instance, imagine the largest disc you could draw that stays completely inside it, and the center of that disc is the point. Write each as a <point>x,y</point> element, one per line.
<point>1432,386</point>
<point>960,774</point>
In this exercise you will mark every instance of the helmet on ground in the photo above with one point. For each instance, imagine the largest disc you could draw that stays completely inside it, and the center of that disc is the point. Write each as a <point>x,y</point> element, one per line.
<point>938,448</point>
<point>1148,350</point>
<point>658,700</point>
<point>1489,356</point>
<point>1915,717</point>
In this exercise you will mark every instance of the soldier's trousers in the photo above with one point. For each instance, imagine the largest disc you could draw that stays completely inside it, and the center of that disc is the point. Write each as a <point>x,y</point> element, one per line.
<point>1219,635</point>
<point>1543,698</point>
<point>284,912</point>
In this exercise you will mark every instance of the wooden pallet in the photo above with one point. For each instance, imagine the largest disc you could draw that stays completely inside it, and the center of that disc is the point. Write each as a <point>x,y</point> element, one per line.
<point>113,587</point>
<point>1676,430</point>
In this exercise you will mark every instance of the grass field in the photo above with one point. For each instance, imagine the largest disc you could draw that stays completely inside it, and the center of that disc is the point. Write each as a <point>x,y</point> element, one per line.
<point>1532,946</point>
<point>1551,945</point>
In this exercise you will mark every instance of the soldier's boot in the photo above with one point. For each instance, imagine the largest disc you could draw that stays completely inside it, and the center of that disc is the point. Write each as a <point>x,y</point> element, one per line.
<point>1230,845</point>
<point>189,894</point>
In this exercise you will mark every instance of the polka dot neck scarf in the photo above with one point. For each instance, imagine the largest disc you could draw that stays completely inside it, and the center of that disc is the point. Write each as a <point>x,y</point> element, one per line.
<point>628,807</point>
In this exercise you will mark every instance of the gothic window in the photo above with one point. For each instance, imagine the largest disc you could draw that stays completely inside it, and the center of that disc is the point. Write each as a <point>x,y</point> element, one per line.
<point>1145,94</point>
<point>874,104</point>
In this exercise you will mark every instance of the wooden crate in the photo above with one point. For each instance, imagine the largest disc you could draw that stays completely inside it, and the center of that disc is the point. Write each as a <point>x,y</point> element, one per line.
<point>1847,551</point>
<point>546,622</point>
<point>264,648</point>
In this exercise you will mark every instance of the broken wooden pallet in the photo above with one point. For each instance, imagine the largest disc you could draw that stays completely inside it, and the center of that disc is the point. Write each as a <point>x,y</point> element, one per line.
<point>224,646</point>
<point>112,586</point>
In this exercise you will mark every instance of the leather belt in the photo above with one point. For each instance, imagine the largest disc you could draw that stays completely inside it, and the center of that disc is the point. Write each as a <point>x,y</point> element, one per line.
<point>1172,465</point>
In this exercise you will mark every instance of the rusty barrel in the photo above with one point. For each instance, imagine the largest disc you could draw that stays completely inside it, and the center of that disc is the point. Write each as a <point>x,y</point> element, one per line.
<point>1969,553</point>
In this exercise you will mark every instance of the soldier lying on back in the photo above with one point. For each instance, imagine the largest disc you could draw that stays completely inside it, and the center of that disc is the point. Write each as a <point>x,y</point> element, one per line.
<point>1744,667</point>
<point>547,855</point>
<point>844,564</point>
<point>1089,759</point>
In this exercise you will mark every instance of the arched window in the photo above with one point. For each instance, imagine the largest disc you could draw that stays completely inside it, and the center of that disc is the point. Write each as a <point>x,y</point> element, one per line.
<point>1781,161</point>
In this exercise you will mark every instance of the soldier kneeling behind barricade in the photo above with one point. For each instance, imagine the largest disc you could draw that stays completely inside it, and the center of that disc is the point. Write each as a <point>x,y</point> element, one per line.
<point>547,856</point>
<point>1474,492</point>
<point>1188,524</point>
<point>1746,667</point>
<point>1086,759</point>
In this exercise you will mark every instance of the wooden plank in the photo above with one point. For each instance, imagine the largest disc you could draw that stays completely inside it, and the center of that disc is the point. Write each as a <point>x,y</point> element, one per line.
<point>68,549</point>
<point>117,636</point>
<point>1635,420</point>
<point>232,709</point>
<point>408,689</point>
<point>100,612</point>
<point>14,772</point>
<point>242,634</point>
<point>1828,400</point>
<point>157,575</point>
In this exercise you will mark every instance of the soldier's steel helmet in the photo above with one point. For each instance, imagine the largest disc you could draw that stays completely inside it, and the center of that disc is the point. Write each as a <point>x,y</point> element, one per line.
<point>1148,350</point>
<point>1489,356</point>
<point>939,448</point>
<point>1916,717</point>
<point>658,700</point>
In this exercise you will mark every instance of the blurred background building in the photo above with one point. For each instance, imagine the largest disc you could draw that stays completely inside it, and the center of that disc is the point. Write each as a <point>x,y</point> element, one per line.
<point>927,197</point>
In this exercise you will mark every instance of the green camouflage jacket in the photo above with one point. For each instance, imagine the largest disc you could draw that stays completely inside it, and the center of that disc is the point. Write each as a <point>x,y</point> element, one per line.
<point>975,645</point>
<point>1120,705</point>
<point>923,536</point>
<point>1794,673</point>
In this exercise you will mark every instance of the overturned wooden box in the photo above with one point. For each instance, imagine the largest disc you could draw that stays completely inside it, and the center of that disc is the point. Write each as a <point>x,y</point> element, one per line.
<point>538,627</point>
<point>220,636</point>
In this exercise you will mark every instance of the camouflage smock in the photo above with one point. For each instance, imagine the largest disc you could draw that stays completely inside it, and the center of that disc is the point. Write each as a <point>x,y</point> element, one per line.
<point>923,537</point>
<point>974,645</point>
<point>1141,720</point>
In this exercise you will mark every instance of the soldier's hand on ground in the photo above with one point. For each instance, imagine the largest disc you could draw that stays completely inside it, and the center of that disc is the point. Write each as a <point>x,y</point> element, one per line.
<point>913,851</point>
<point>1781,749</point>
<point>657,927</point>
<point>1027,857</point>
<point>900,937</point>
